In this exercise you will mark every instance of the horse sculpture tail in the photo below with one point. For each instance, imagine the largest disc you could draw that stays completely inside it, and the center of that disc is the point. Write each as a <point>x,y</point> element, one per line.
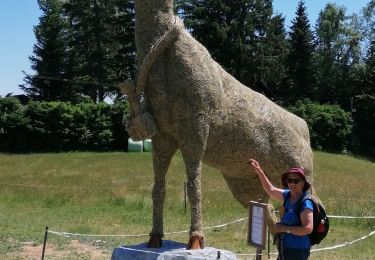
<point>153,54</point>
<point>140,124</point>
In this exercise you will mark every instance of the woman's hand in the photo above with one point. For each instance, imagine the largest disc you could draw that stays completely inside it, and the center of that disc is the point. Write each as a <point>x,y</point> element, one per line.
<point>273,192</point>
<point>280,228</point>
<point>305,229</point>
<point>254,164</point>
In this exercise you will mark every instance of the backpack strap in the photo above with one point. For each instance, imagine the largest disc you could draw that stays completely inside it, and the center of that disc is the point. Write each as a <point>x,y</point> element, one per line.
<point>309,197</point>
<point>286,198</point>
<point>299,203</point>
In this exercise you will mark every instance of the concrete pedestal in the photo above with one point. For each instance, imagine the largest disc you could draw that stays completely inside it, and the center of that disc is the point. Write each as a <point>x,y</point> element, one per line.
<point>170,250</point>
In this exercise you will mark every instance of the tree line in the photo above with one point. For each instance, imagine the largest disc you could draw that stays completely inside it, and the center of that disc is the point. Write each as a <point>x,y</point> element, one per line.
<point>83,49</point>
<point>324,73</point>
<point>55,126</point>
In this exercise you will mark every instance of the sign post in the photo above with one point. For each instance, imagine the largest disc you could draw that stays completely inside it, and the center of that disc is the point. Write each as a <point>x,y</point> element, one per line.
<point>257,227</point>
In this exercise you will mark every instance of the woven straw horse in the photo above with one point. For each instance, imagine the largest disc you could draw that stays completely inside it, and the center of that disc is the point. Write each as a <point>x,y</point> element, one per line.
<point>191,103</point>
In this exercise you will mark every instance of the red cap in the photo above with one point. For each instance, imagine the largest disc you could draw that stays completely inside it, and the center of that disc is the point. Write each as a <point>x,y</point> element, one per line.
<point>298,171</point>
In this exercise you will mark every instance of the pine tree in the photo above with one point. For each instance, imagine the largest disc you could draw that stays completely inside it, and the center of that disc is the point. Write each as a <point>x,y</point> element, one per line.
<point>300,57</point>
<point>48,59</point>
<point>241,35</point>
<point>271,56</point>
<point>102,45</point>
<point>123,33</point>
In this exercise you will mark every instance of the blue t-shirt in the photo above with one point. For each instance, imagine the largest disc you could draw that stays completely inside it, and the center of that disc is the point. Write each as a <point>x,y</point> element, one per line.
<point>290,218</point>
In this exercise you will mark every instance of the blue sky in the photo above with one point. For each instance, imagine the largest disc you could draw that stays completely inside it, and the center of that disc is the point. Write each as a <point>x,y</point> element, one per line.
<point>17,18</point>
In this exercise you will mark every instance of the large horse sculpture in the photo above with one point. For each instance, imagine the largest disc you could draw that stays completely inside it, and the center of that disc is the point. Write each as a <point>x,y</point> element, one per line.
<point>193,104</point>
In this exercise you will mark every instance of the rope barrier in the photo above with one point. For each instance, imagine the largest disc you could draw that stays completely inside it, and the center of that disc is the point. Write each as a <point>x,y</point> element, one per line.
<point>346,199</point>
<point>87,187</point>
<point>116,186</point>
<point>68,234</point>
<point>72,187</point>
<point>149,189</point>
<point>344,244</point>
<point>324,248</point>
<point>351,217</point>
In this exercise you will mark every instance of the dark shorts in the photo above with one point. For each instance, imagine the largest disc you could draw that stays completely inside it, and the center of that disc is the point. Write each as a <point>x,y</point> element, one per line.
<point>295,254</point>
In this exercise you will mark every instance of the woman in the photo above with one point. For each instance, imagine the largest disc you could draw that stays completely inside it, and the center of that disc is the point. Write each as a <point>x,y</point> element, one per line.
<point>294,229</point>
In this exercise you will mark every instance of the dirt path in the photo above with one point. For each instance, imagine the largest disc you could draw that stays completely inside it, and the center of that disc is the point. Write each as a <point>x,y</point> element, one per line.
<point>74,250</point>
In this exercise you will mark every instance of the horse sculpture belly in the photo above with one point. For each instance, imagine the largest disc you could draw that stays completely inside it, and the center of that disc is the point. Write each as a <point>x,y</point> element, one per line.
<point>203,111</point>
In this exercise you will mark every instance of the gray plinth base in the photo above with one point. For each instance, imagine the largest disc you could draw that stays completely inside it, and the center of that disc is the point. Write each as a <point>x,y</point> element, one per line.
<point>170,250</point>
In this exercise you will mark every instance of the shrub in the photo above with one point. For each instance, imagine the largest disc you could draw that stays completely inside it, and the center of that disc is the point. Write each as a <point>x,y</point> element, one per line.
<point>13,125</point>
<point>61,126</point>
<point>330,126</point>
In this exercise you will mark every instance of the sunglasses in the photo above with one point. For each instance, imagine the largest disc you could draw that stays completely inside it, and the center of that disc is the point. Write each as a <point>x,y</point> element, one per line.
<point>295,181</point>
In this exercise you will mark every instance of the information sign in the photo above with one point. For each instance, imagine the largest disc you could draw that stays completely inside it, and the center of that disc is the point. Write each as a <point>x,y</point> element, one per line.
<point>257,225</point>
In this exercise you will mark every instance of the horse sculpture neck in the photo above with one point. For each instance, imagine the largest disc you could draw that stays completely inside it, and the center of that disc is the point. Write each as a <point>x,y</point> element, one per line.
<point>153,19</point>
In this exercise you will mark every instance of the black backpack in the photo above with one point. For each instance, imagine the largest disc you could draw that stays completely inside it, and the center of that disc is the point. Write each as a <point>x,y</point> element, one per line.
<point>321,221</point>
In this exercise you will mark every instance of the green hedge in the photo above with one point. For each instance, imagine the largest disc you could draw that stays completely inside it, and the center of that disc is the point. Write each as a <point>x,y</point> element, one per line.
<point>59,126</point>
<point>330,126</point>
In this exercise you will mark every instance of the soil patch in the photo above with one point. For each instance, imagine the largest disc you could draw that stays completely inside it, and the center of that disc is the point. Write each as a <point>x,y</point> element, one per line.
<point>74,250</point>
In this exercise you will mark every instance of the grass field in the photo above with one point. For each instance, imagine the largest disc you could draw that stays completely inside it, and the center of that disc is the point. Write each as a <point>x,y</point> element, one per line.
<point>109,193</point>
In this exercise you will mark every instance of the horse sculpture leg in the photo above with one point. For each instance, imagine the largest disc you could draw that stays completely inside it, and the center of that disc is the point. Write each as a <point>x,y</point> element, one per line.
<point>193,170</point>
<point>163,150</point>
<point>194,133</point>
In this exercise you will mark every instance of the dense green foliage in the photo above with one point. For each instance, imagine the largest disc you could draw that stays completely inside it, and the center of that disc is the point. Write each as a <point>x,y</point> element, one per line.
<point>364,127</point>
<point>61,126</point>
<point>330,126</point>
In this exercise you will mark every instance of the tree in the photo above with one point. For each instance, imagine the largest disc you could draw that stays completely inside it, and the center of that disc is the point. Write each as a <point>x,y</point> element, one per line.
<point>364,103</point>
<point>364,125</point>
<point>269,61</point>
<point>338,53</point>
<point>123,33</point>
<point>242,36</point>
<point>48,59</point>
<point>368,86</point>
<point>368,29</point>
<point>300,57</point>
<point>328,30</point>
<point>102,45</point>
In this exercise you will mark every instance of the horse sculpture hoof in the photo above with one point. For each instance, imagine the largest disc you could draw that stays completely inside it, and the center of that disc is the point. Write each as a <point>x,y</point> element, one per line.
<point>155,241</point>
<point>195,242</point>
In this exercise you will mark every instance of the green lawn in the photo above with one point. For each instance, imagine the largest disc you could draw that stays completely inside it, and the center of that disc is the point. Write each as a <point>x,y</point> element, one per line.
<point>109,193</point>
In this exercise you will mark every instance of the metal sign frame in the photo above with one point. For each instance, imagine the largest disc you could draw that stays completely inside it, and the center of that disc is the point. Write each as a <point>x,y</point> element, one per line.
<point>256,235</point>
